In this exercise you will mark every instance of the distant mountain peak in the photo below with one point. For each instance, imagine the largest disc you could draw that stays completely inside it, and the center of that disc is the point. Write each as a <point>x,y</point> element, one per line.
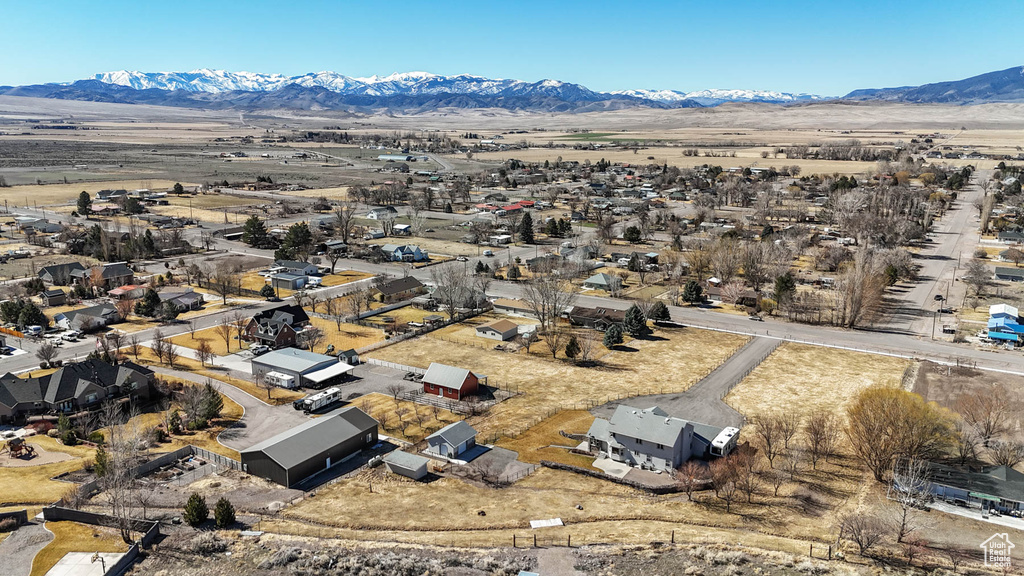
<point>419,83</point>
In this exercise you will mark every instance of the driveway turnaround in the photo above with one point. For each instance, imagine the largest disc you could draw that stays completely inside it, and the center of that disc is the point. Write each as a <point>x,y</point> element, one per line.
<point>703,401</point>
<point>20,548</point>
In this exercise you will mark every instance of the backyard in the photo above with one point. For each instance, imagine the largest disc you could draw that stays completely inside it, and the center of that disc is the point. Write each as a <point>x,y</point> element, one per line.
<point>669,360</point>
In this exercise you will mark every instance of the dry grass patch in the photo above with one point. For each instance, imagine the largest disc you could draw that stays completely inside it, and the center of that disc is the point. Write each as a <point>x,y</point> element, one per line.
<point>452,505</point>
<point>32,484</point>
<point>385,410</point>
<point>805,378</point>
<point>543,442</point>
<point>75,537</point>
<point>49,194</point>
<point>671,361</point>
<point>403,315</point>
<point>341,277</point>
<point>211,335</point>
<point>348,336</point>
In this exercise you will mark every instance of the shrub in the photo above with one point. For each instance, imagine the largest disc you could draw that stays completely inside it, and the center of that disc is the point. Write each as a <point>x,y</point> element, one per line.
<point>207,543</point>
<point>44,365</point>
<point>53,433</point>
<point>196,512</point>
<point>96,437</point>
<point>224,513</point>
<point>8,525</point>
<point>69,438</point>
<point>101,463</point>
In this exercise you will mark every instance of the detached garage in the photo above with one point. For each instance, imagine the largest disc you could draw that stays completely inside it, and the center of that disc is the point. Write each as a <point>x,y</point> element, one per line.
<point>295,455</point>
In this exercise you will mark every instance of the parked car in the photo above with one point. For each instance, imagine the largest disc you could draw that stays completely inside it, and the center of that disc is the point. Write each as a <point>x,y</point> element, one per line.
<point>756,318</point>
<point>259,349</point>
<point>462,259</point>
<point>488,253</point>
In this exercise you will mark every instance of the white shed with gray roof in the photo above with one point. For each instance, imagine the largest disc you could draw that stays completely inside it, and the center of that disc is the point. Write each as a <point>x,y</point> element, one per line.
<point>452,440</point>
<point>406,464</point>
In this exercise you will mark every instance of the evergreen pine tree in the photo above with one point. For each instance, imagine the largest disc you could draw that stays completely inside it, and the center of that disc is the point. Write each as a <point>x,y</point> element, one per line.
<point>196,511</point>
<point>612,336</point>
<point>267,291</point>
<point>526,229</point>
<point>572,348</point>
<point>100,462</point>
<point>635,324</point>
<point>84,204</point>
<point>223,513</point>
<point>659,312</point>
<point>693,293</point>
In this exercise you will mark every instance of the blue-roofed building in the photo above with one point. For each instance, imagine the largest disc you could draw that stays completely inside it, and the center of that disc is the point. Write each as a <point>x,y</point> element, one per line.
<point>1004,324</point>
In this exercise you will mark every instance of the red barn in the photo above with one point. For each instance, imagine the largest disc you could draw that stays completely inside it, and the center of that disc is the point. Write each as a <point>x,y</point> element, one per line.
<point>449,381</point>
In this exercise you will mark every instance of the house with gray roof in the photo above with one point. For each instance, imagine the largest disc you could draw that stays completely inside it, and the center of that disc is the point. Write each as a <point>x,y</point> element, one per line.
<point>110,275</point>
<point>452,440</point>
<point>73,388</point>
<point>185,301</point>
<point>403,253</point>
<point>296,267</point>
<point>651,439</point>
<point>602,281</point>
<point>60,274</point>
<point>399,289</point>
<point>998,488</point>
<point>276,327</point>
<point>88,319</point>
<point>296,455</point>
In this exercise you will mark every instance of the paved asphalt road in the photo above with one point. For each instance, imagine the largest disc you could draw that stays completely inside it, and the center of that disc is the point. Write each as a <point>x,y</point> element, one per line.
<point>703,401</point>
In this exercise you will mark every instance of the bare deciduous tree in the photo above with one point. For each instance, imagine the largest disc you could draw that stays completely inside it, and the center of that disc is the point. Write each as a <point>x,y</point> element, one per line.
<point>450,284</point>
<point>311,337</point>
<point>134,346</point>
<point>987,412</point>
<point>692,475</point>
<point>124,451</point>
<point>908,490</point>
<point>768,431</point>
<point>822,434</point>
<point>204,352</point>
<point>225,331</point>
<point>547,296</point>
<point>863,529</point>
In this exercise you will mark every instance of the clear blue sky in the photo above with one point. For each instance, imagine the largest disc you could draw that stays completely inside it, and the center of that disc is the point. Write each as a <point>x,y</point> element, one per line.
<point>826,47</point>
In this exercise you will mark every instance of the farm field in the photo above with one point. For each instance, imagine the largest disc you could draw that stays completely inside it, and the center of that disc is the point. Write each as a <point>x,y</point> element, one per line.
<point>56,194</point>
<point>671,360</point>
<point>805,378</point>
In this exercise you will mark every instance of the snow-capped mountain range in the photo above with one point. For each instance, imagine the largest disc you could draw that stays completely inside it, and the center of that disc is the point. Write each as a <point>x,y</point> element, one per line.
<point>417,84</point>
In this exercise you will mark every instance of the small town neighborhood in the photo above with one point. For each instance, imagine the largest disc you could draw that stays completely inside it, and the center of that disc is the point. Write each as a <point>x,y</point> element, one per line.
<point>285,322</point>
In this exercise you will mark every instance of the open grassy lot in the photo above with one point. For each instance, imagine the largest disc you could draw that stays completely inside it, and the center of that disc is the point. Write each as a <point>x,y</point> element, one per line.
<point>610,512</point>
<point>210,335</point>
<point>341,276</point>
<point>671,360</point>
<point>50,194</point>
<point>805,378</point>
<point>403,315</point>
<point>412,428</point>
<point>543,442</point>
<point>75,537</point>
<point>348,336</point>
<point>32,484</point>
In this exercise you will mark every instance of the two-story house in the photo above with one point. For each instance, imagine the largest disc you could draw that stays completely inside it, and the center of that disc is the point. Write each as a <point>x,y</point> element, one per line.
<point>650,438</point>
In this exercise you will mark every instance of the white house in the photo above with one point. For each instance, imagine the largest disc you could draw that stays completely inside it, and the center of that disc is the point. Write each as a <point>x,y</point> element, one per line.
<point>381,213</point>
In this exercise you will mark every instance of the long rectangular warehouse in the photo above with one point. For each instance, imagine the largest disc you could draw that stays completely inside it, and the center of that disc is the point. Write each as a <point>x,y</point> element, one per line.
<point>310,448</point>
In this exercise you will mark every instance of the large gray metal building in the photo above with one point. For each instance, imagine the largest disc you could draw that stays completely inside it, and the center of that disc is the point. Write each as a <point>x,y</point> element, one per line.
<point>310,448</point>
<point>295,368</point>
